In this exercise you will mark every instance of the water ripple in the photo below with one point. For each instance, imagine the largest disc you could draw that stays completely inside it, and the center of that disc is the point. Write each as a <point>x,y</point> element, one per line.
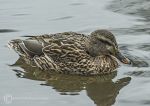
<point>62,18</point>
<point>19,14</point>
<point>77,4</point>
<point>139,73</point>
<point>7,30</point>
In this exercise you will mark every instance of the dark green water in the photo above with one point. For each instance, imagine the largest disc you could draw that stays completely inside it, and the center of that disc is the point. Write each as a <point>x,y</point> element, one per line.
<point>23,85</point>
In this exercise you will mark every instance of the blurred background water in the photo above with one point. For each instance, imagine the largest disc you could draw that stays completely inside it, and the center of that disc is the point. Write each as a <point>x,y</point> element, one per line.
<point>128,20</point>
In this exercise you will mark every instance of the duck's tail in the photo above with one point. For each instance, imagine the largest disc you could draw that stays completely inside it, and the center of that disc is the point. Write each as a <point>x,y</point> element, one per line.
<point>15,45</point>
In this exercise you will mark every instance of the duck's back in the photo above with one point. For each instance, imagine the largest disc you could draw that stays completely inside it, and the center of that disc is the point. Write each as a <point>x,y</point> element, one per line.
<point>67,37</point>
<point>66,51</point>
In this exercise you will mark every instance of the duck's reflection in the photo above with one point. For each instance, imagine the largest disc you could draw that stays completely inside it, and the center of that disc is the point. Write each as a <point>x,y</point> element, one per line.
<point>101,89</point>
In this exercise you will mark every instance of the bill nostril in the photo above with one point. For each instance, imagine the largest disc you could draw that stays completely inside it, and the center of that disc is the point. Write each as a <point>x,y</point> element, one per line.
<point>126,61</point>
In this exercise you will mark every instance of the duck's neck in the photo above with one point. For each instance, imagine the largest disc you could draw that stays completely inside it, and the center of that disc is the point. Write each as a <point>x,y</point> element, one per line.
<point>105,63</point>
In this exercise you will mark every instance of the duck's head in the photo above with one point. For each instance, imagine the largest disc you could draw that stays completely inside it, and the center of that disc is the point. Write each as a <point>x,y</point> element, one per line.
<point>104,42</point>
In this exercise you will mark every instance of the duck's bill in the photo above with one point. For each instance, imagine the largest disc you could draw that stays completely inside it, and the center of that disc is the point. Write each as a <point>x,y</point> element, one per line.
<point>122,58</point>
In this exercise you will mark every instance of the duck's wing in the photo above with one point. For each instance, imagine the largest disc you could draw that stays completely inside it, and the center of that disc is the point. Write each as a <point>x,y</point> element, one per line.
<point>34,44</point>
<point>26,47</point>
<point>62,51</point>
<point>63,54</point>
<point>64,46</point>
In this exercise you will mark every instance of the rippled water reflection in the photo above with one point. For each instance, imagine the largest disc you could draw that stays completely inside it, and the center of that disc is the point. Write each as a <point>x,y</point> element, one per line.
<point>100,89</point>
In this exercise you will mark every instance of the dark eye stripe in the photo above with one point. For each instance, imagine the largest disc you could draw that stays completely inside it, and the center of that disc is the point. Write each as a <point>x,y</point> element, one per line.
<point>106,42</point>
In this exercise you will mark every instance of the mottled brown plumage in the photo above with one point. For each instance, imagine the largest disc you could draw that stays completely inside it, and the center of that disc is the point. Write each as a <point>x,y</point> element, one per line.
<point>71,53</point>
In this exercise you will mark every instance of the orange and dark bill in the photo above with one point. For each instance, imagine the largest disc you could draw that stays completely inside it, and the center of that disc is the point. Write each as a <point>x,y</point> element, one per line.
<point>122,58</point>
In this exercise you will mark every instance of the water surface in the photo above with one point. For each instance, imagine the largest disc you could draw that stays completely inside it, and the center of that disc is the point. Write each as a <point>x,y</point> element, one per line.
<point>23,85</point>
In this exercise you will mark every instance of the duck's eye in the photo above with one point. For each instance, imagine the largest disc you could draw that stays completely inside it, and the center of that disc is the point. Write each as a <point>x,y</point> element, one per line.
<point>95,42</point>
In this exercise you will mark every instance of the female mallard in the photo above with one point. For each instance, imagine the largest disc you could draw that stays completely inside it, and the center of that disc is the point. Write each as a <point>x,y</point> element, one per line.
<point>72,53</point>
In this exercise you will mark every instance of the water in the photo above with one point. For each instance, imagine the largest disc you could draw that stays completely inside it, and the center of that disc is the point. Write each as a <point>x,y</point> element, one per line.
<point>23,85</point>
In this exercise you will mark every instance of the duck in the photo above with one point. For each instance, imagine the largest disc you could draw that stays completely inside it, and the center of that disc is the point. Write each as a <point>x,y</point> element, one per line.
<point>73,53</point>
